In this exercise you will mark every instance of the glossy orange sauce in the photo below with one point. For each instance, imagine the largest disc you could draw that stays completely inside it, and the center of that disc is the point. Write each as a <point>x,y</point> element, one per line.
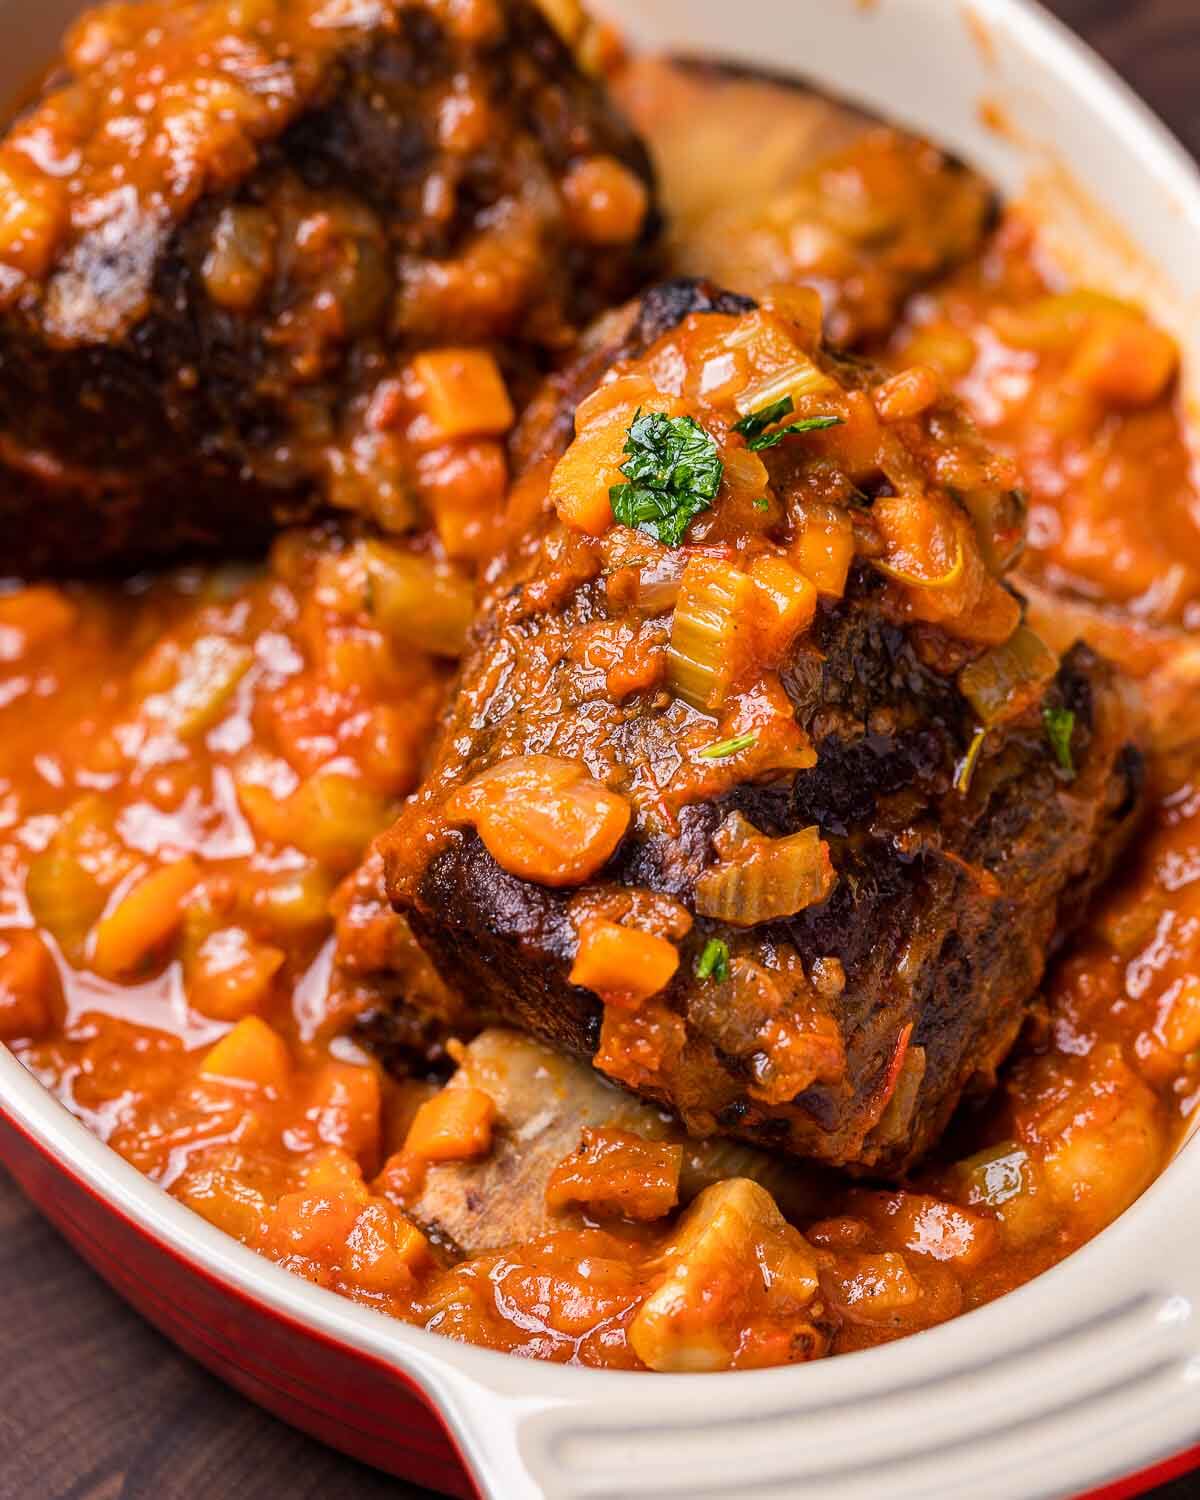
<point>257,730</point>
<point>1080,389</point>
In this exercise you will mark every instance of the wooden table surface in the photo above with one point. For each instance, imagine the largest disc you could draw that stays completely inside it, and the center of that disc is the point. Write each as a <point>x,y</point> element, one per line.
<point>93,1404</point>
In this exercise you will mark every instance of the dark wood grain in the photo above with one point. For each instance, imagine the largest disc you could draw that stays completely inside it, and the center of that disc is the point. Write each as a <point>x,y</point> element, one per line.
<point>93,1404</point>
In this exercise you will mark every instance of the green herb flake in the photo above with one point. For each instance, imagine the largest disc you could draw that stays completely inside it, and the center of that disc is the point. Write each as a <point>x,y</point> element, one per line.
<point>758,421</point>
<point>1060,726</point>
<point>964,772</point>
<point>808,424</point>
<point>724,748</point>
<point>713,963</point>
<point>674,473</point>
<point>762,503</point>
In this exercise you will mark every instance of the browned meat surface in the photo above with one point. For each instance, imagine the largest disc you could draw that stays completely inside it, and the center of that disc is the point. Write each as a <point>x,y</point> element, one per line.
<point>827,928</point>
<point>221,237</point>
<point>825,195</point>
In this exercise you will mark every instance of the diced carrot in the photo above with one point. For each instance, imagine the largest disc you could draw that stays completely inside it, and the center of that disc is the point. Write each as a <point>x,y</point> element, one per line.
<point>252,1052</point>
<point>384,1249</point>
<point>790,603</point>
<point>455,1125</point>
<point>542,818</point>
<point>464,485</point>
<point>28,982</point>
<point>926,543</point>
<point>266,812</point>
<point>907,394</point>
<point>37,615</point>
<point>622,963</point>
<point>33,214</point>
<point>144,919</point>
<point>823,549</point>
<point>312,1223</point>
<point>943,347</point>
<point>854,445</point>
<point>335,1171</point>
<point>583,477</point>
<point>606,202</point>
<point>230,974</point>
<point>618,1172</point>
<point>800,307</point>
<point>346,1108</point>
<point>463,393</point>
<point>402,1178</point>
<point>1125,360</point>
<point>929,1226</point>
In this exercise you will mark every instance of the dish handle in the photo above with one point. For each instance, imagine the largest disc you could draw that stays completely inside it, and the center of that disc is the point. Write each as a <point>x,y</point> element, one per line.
<point>522,1446</point>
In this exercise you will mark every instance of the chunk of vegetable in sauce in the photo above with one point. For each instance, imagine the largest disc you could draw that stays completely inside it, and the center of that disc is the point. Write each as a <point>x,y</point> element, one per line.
<point>732,1249</point>
<point>620,963</point>
<point>455,1124</point>
<point>543,818</point>
<point>758,879</point>
<point>618,1172</point>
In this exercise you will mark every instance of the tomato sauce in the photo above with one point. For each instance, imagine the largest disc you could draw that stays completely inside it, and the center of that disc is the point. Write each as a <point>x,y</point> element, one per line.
<point>1079,388</point>
<point>190,767</point>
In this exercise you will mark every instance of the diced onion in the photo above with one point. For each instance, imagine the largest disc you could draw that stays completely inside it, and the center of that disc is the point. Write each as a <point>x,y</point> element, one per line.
<point>542,818</point>
<point>765,879</point>
<point>1009,678</point>
<point>999,519</point>
<point>944,580</point>
<point>658,583</point>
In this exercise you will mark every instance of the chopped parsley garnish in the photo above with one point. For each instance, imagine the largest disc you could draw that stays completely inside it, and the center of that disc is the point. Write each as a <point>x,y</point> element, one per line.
<point>1060,726</point>
<point>964,772</point>
<point>758,421</point>
<point>807,424</point>
<point>762,503</point>
<point>713,963</point>
<point>754,427</point>
<point>729,747</point>
<point>674,473</point>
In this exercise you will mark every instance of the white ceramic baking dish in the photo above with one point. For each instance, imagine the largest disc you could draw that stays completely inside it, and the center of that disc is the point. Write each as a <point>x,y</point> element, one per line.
<point>1088,1375</point>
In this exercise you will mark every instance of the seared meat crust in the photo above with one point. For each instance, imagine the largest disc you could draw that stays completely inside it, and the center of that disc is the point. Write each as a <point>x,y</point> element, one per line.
<point>918,969</point>
<point>920,929</point>
<point>186,381</point>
